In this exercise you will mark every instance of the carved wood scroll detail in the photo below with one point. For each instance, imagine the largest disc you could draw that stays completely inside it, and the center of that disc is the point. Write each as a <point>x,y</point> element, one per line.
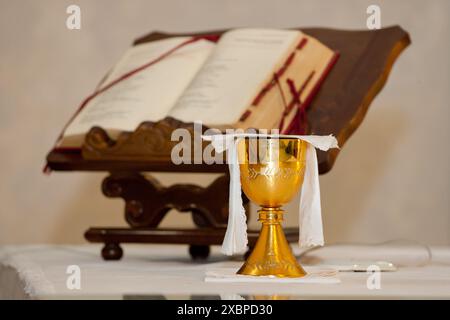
<point>147,201</point>
<point>151,141</point>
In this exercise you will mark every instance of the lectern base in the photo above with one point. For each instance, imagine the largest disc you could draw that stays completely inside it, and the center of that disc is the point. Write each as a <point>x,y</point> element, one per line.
<point>198,240</point>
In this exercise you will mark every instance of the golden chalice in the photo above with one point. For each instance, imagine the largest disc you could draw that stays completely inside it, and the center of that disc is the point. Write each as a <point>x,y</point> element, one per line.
<point>272,171</point>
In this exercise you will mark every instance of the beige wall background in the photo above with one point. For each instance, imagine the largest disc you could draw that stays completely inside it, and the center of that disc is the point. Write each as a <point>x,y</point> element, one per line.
<point>391,180</point>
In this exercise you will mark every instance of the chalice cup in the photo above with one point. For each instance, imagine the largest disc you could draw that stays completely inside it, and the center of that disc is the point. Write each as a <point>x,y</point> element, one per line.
<point>271,172</point>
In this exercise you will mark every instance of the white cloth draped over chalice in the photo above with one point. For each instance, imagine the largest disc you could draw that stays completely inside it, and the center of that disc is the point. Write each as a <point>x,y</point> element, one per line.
<point>310,212</point>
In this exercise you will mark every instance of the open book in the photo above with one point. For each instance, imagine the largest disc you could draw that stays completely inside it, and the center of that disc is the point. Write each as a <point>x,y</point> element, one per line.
<point>249,78</point>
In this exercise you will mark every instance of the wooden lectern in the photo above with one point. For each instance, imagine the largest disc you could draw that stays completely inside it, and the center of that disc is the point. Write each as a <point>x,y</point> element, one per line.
<point>366,58</point>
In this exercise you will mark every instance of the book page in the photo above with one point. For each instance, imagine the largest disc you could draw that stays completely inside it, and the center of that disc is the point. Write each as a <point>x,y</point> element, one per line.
<point>305,72</point>
<point>243,60</point>
<point>148,94</point>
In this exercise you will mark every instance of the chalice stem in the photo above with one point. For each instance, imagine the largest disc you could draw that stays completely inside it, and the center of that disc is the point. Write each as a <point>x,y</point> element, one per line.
<point>272,254</point>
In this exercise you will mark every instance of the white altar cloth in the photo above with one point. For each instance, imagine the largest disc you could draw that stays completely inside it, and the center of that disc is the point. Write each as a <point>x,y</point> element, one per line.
<point>166,271</point>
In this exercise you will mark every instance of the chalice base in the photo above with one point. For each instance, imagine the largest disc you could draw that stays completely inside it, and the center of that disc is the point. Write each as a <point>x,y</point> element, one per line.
<point>272,255</point>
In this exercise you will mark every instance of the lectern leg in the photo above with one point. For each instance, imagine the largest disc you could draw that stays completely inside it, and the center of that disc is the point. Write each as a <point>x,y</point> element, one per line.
<point>199,252</point>
<point>146,204</point>
<point>112,251</point>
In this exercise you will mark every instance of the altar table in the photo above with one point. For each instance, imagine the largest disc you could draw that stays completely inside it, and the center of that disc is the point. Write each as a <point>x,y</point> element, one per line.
<point>167,272</point>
